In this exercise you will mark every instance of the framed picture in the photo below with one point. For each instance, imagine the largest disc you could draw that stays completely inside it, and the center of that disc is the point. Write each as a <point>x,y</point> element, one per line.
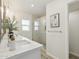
<point>55,20</point>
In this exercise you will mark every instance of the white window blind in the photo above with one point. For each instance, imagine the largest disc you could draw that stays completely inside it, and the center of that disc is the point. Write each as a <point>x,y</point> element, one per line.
<point>25,25</point>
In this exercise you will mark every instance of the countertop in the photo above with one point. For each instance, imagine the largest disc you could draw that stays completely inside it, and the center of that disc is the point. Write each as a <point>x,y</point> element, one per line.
<point>5,53</point>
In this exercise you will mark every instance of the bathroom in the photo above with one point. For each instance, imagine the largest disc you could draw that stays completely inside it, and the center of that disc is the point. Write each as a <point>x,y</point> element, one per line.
<point>33,20</point>
<point>31,25</point>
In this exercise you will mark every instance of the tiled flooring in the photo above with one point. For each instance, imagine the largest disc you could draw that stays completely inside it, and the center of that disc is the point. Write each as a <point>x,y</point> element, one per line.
<point>73,57</point>
<point>44,55</point>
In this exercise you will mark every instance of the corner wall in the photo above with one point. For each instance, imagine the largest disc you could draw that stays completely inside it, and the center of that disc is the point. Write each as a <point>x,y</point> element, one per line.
<point>57,42</point>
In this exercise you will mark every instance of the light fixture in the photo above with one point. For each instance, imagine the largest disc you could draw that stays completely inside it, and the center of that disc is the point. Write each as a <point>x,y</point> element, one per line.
<point>33,5</point>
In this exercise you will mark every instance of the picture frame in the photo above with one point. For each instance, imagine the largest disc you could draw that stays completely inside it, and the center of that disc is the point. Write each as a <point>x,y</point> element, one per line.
<point>55,20</point>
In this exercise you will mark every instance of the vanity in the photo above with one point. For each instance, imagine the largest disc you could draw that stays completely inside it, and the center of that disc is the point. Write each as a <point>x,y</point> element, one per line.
<point>25,49</point>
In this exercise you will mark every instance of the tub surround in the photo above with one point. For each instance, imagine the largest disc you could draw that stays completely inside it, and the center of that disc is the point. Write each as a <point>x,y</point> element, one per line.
<point>30,50</point>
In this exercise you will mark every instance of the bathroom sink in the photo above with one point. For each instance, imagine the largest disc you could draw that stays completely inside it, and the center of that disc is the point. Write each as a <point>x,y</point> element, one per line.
<point>22,48</point>
<point>22,42</point>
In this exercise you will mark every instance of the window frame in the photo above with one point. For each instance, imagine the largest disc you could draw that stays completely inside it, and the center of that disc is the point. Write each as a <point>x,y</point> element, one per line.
<point>36,26</point>
<point>25,25</point>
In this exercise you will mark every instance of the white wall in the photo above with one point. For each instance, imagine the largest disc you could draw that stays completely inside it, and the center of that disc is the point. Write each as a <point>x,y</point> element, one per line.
<point>57,42</point>
<point>74,32</point>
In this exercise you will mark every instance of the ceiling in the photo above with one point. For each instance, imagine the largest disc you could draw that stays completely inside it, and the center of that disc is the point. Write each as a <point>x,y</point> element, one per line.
<point>39,8</point>
<point>73,6</point>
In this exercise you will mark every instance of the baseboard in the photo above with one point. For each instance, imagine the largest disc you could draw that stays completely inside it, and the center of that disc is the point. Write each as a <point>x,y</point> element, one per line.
<point>75,54</point>
<point>52,56</point>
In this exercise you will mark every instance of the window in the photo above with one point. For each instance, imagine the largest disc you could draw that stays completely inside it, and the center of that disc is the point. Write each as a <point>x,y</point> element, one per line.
<point>25,25</point>
<point>36,25</point>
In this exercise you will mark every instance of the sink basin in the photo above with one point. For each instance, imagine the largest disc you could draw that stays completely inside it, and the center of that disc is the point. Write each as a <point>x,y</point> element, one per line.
<point>22,42</point>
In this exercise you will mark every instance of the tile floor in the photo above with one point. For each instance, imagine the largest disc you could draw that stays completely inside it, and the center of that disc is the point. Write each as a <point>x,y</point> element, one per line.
<point>73,57</point>
<point>45,56</point>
